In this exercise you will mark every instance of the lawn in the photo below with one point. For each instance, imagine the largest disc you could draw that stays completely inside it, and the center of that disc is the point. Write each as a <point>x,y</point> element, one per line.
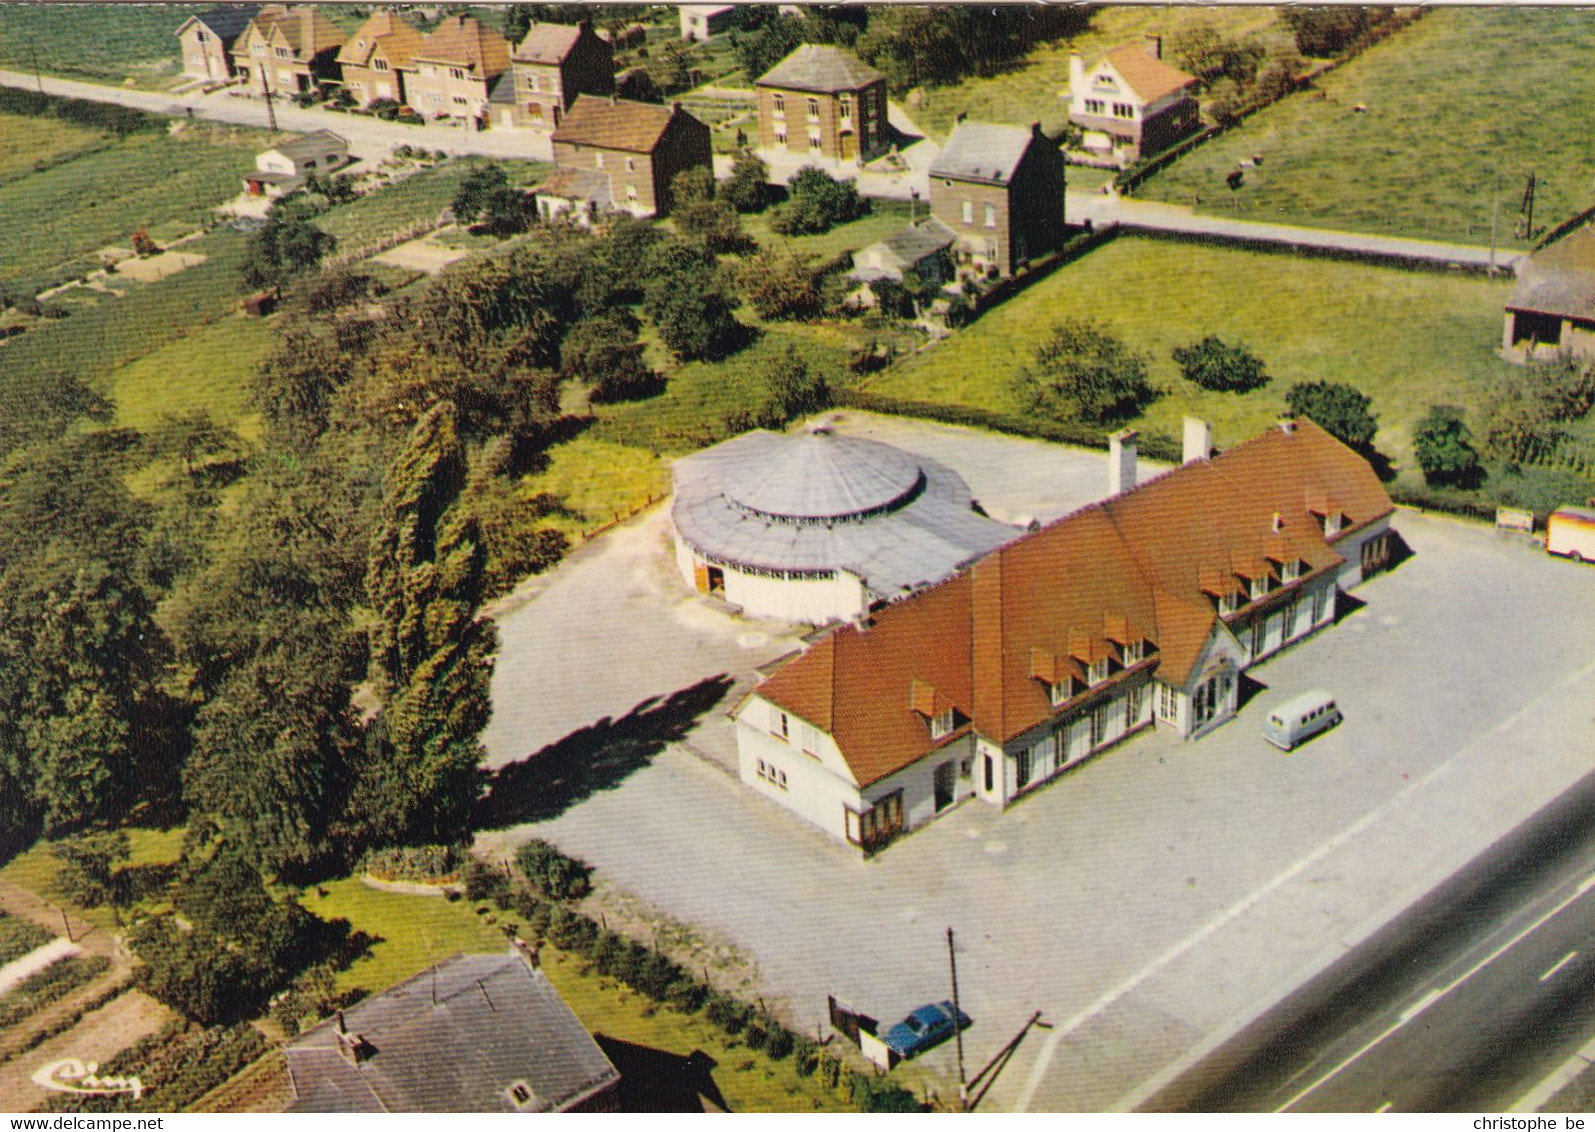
<point>208,370</point>
<point>598,480</point>
<point>1029,90</point>
<point>59,218</point>
<point>1407,339</point>
<point>41,141</point>
<point>883,218</point>
<point>35,869</point>
<point>1445,123</point>
<point>115,41</point>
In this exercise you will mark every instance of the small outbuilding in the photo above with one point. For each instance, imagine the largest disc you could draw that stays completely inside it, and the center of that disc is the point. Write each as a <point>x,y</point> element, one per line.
<point>1552,308</point>
<point>281,170</point>
<point>817,527</point>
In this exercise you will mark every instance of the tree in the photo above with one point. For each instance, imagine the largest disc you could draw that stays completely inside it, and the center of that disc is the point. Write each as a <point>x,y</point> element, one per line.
<point>88,867</point>
<point>1214,364</point>
<point>700,215</point>
<point>1444,447</point>
<point>38,405</point>
<point>748,187</point>
<point>295,383</point>
<point>793,389</point>
<point>603,351</point>
<point>780,283</point>
<point>485,197</point>
<point>287,245</point>
<point>816,202</point>
<point>1341,410</point>
<point>1082,372</point>
<point>758,51</point>
<point>1327,32</point>
<point>1201,51</point>
<point>430,657</point>
<point>686,298</point>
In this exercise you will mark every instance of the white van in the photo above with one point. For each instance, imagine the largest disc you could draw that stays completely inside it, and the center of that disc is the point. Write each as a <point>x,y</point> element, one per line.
<point>1301,718</point>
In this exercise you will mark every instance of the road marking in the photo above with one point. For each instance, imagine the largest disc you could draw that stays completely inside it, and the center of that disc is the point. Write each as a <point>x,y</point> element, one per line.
<point>1434,996</point>
<point>1560,963</point>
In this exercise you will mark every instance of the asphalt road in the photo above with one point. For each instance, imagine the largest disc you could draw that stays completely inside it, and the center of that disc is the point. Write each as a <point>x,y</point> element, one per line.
<point>1462,1004</point>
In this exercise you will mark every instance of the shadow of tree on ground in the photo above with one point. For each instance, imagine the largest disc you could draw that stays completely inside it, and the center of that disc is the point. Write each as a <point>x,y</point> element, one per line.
<point>598,757</point>
<point>656,1080</point>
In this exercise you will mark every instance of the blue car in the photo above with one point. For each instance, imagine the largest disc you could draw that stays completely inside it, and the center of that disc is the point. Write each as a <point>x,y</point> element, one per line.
<point>924,1027</point>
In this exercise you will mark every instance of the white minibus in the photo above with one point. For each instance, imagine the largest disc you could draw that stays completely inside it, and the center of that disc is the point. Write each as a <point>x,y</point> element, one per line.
<point>1300,718</point>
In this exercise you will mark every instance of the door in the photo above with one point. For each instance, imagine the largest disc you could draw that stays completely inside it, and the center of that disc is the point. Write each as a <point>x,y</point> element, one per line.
<point>848,144</point>
<point>944,785</point>
<point>1022,769</point>
<point>717,580</point>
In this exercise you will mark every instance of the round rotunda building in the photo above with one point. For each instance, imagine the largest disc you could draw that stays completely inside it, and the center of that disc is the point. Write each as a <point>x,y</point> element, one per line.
<point>815,527</point>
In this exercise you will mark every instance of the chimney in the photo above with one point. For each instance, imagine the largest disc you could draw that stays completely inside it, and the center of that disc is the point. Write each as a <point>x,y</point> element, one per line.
<point>1076,74</point>
<point>1278,522</point>
<point>1198,440</point>
<point>1154,46</point>
<point>354,1048</point>
<point>1035,129</point>
<point>1287,425</point>
<point>1121,461</point>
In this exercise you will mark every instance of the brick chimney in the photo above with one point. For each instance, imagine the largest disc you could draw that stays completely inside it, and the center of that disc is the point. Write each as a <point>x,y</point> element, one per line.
<point>1198,440</point>
<point>1154,46</point>
<point>1121,461</point>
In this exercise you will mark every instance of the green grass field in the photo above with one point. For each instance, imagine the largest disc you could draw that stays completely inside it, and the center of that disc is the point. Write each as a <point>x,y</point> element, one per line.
<point>598,480</point>
<point>1028,91</point>
<point>35,870</point>
<point>883,218</point>
<point>417,198</point>
<point>208,370</point>
<point>33,141</point>
<point>62,216</point>
<point>1466,99</point>
<point>1407,339</point>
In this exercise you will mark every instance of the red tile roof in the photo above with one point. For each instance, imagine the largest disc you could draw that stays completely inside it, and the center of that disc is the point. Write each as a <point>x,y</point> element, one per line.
<point>386,29</point>
<point>1148,77</point>
<point>616,123</point>
<point>463,41</point>
<point>1130,568</point>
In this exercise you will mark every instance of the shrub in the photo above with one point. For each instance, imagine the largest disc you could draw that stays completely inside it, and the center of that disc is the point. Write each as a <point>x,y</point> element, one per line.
<point>1082,372</point>
<point>572,931</point>
<point>687,995</point>
<point>779,1042</point>
<point>748,187</point>
<point>554,874</point>
<point>1215,364</point>
<point>816,202</point>
<point>880,1094</point>
<point>1341,410</point>
<point>19,936</point>
<point>805,1056</point>
<point>56,981</point>
<point>730,1014</point>
<point>483,882</point>
<point>426,864</point>
<point>1444,447</point>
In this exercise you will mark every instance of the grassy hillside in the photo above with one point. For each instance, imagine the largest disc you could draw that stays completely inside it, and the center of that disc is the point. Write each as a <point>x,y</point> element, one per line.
<point>1445,120</point>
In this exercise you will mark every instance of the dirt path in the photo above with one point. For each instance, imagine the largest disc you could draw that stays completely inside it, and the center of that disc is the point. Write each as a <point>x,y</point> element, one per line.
<point>18,971</point>
<point>98,1037</point>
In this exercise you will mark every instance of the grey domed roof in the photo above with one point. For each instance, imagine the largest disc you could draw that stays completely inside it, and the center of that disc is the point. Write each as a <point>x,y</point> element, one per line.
<point>814,503</point>
<point>818,475</point>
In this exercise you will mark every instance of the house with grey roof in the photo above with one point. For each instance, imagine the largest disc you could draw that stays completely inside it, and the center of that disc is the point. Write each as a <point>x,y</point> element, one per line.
<point>1000,190</point>
<point>475,1033</point>
<point>207,41</point>
<point>1552,308</point>
<point>284,168</point>
<point>816,527</point>
<point>825,104</point>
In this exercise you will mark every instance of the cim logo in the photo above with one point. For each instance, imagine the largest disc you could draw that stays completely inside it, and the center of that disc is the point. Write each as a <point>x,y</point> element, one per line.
<point>69,1075</point>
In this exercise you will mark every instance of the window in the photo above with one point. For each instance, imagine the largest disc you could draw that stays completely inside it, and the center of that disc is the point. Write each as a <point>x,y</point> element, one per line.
<point>534,83</point>
<point>1320,603</point>
<point>780,137</point>
<point>966,769</point>
<point>379,65</point>
<point>990,774</point>
<point>598,161</point>
<point>780,724</point>
<point>461,101</point>
<point>456,73</point>
<point>257,49</point>
<point>778,103</point>
<point>1132,708</point>
<point>1332,524</point>
<point>284,53</point>
<point>631,193</point>
<point>941,724</point>
<point>1168,706</point>
<point>814,142</point>
<point>847,106</point>
<point>434,97</point>
<point>814,108</point>
<point>1256,588</point>
<point>1257,638</point>
<point>1098,719</point>
<point>991,215</point>
<point>1021,761</point>
<point>1097,672</point>
<point>200,36</point>
<point>809,738</point>
<point>1123,110</point>
<point>1290,571</point>
<point>1096,106</point>
<point>769,773</point>
<point>969,212</point>
<point>1062,690</point>
<point>1134,652</point>
<point>1228,604</point>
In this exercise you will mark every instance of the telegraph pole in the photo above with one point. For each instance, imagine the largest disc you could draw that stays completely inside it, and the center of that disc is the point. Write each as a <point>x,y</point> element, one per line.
<point>33,52</point>
<point>1495,220</point>
<point>958,1018</point>
<point>265,84</point>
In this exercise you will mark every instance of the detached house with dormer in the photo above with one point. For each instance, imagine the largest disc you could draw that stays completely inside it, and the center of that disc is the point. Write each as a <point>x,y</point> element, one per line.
<point>287,50</point>
<point>826,104</point>
<point>453,71</point>
<point>373,61</point>
<point>1139,611</point>
<point>207,42</point>
<point>999,189</point>
<point>1130,103</point>
<point>551,66</point>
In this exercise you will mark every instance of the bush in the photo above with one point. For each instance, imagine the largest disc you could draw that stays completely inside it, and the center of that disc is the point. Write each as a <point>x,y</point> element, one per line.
<point>1214,364</point>
<point>687,995</point>
<point>19,936</point>
<point>572,931</point>
<point>748,187</point>
<point>1082,372</point>
<point>1340,410</point>
<point>805,1056</point>
<point>423,864</point>
<point>483,882</point>
<point>879,1094</point>
<point>729,1013</point>
<point>1444,447</point>
<point>554,874</point>
<point>779,1042</point>
<point>816,202</point>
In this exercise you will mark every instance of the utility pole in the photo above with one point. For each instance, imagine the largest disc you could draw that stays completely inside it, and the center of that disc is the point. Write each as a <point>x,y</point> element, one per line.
<point>265,83</point>
<point>1495,220</point>
<point>33,52</point>
<point>958,1018</point>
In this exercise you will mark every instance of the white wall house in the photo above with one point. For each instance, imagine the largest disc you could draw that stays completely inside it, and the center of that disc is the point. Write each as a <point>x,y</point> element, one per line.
<point>1130,104</point>
<point>1139,611</point>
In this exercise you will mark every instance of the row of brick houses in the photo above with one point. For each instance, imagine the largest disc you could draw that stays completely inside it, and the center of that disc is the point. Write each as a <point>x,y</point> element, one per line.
<point>462,68</point>
<point>1141,610</point>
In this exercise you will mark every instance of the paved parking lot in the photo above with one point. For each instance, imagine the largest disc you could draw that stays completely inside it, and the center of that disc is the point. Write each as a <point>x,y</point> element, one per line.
<point>1153,896</point>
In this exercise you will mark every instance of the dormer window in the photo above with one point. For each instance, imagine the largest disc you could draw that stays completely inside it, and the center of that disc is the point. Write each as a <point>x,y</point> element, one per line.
<point>1290,571</point>
<point>1062,691</point>
<point>1134,653</point>
<point>1257,587</point>
<point>1227,604</point>
<point>941,724</point>
<point>1097,671</point>
<point>379,64</point>
<point>521,1094</point>
<point>1332,523</point>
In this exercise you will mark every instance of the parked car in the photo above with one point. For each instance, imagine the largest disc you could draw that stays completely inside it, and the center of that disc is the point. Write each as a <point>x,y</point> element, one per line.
<point>925,1026</point>
<point>1299,719</point>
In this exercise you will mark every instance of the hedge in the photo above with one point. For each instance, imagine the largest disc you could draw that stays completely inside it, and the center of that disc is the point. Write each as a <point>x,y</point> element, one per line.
<point>19,936</point>
<point>56,981</point>
<point>177,1066</point>
<point>119,120</point>
<point>1151,445</point>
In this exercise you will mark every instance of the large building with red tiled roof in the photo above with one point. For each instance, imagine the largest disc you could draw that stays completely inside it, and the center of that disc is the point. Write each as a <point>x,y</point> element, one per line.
<point>1137,611</point>
<point>1130,104</point>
